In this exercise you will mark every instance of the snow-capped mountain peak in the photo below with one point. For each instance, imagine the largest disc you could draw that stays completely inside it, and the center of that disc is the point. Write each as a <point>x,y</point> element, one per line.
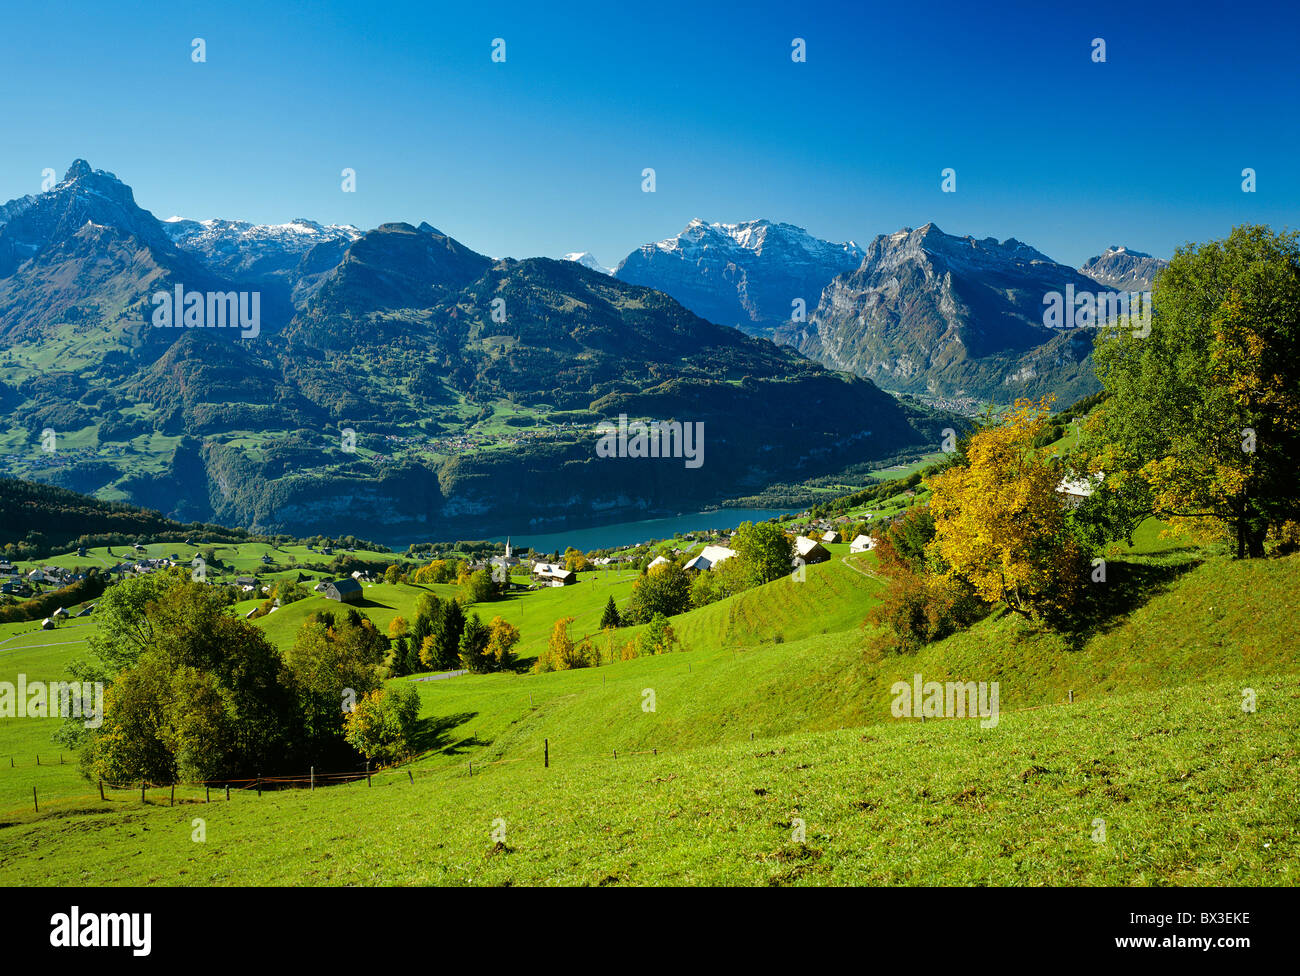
<point>1123,269</point>
<point>588,260</point>
<point>753,274</point>
<point>298,235</point>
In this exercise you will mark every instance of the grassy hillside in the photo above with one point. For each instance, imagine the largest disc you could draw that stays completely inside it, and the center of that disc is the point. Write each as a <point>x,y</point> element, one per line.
<point>777,686</point>
<point>1190,789</point>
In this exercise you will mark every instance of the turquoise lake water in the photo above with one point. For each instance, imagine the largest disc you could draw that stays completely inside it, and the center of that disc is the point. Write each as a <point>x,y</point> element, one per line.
<point>628,533</point>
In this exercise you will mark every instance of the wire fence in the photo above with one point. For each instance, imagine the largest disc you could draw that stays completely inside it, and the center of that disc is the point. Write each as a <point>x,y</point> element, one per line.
<point>201,791</point>
<point>310,780</point>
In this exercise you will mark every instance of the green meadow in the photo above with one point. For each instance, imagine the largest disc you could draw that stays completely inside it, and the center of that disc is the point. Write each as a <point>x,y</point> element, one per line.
<point>765,751</point>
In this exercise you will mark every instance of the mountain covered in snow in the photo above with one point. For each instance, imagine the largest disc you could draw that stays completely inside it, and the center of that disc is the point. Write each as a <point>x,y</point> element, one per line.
<point>588,260</point>
<point>1123,270</point>
<point>755,276</point>
<point>297,251</point>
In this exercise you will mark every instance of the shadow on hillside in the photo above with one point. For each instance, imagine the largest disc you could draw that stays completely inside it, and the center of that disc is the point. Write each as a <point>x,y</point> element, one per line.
<point>1128,587</point>
<point>435,733</point>
<point>371,604</point>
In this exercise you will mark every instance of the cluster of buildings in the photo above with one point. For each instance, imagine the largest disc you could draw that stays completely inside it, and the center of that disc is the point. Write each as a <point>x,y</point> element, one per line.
<point>18,584</point>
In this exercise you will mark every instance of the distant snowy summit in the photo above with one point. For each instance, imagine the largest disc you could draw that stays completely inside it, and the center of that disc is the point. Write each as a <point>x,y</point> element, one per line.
<point>296,252</point>
<point>756,238</point>
<point>298,235</point>
<point>1123,269</point>
<point>588,260</point>
<point>751,275</point>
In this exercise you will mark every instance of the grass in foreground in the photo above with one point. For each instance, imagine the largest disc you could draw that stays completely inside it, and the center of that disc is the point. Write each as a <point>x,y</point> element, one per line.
<point>1192,791</point>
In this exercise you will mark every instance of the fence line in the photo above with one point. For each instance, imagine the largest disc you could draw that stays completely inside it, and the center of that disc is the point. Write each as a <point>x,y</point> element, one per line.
<point>243,785</point>
<point>334,778</point>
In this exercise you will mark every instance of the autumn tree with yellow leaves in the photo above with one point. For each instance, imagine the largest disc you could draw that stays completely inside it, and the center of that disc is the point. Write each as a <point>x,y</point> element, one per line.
<point>999,523</point>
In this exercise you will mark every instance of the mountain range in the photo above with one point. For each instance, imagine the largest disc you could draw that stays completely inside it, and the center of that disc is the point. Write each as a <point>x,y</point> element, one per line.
<point>952,319</point>
<point>400,382</point>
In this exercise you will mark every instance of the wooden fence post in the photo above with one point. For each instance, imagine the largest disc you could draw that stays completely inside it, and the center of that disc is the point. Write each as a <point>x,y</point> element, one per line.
<point>227,792</point>
<point>34,803</point>
<point>101,787</point>
<point>141,791</point>
<point>38,759</point>
<point>1071,696</point>
<point>471,768</point>
<point>207,793</point>
<point>368,783</point>
<point>173,794</point>
<point>313,777</point>
<point>259,784</point>
<point>615,753</point>
<point>546,753</point>
<point>411,776</point>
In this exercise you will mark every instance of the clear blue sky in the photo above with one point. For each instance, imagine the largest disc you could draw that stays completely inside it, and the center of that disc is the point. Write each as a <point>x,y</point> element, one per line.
<point>543,154</point>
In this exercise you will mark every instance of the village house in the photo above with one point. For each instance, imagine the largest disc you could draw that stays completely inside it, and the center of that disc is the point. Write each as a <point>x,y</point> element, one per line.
<point>553,574</point>
<point>1073,490</point>
<point>346,590</point>
<point>658,561</point>
<point>710,557</point>
<point>810,550</point>
<point>830,535</point>
<point>862,543</point>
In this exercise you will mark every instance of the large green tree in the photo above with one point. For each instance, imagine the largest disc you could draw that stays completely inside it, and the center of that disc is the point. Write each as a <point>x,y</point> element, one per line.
<point>666,589</point>
<point>204,696</point>
<point>336,660</point>
<point>764,551</point>
<point>1202,423</point>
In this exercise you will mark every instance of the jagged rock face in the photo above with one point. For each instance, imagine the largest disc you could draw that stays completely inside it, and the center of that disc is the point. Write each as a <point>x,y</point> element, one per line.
<point>944,316</point>
<point>1123,270</point>
<point>30,225</point>
<point>744,275</point>
<point>83,251</point>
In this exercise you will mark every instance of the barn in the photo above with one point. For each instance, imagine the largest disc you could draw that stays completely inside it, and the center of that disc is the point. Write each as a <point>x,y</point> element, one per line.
<point>344,590</point>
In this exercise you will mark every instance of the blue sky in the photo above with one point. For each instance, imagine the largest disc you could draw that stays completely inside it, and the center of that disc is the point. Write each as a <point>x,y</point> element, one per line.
<point>543,154</point>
